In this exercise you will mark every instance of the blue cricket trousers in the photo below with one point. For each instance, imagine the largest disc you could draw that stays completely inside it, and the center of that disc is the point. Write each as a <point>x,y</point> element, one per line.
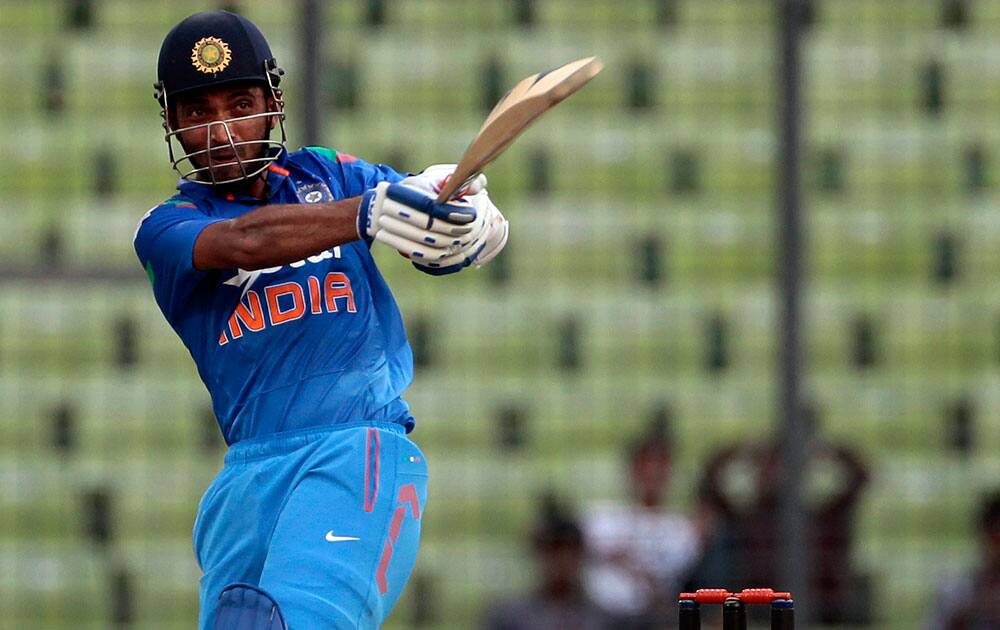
<point>326,521</point>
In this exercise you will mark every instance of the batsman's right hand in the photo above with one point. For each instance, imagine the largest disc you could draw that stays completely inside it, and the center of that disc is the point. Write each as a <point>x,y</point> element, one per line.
<point>408,219</point>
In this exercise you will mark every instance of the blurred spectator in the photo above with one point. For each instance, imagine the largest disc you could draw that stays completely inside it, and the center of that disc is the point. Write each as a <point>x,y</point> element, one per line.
<point>740,504</point>
<point>54,86</point>
<point>641,552</point>
<point>559,600</point>
<point>972,601</point>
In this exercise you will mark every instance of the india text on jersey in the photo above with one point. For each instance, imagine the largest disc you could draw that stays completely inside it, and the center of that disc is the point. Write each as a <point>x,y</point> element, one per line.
<point>287,301</point>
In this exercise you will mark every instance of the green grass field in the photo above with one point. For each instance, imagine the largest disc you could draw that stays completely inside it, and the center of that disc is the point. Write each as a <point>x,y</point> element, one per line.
<point>905,183</point>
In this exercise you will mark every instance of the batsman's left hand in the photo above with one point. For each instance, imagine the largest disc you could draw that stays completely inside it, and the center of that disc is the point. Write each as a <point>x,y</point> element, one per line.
<point>482,249</point>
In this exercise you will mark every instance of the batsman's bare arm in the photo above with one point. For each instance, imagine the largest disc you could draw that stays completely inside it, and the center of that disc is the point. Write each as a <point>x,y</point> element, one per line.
<point>276,235</point>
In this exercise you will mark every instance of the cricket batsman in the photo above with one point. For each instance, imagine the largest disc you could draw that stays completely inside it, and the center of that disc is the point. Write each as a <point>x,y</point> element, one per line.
<point>261,265</point>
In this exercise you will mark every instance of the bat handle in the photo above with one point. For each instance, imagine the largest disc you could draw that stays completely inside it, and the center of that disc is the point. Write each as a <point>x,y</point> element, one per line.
<point>444,198</point>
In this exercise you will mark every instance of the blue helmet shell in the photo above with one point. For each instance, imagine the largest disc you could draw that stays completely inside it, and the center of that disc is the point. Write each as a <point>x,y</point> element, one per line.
<point>211,49</point>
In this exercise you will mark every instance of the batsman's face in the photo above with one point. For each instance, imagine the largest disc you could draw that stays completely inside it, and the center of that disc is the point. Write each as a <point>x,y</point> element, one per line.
<point>215,138</point>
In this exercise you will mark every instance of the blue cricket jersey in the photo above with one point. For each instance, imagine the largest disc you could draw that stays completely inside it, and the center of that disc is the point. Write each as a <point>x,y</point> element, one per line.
<point>314,343</point>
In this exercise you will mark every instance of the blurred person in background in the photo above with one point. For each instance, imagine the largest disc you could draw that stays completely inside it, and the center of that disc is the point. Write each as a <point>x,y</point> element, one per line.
<point>972,601</point>
<point>641,552</point>
<point>559,601</point>
<point>261,263</point>
<point>740,508</point>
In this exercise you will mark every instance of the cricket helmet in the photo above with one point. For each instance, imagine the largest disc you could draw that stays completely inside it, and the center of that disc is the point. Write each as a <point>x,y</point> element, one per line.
<point>208,50</point>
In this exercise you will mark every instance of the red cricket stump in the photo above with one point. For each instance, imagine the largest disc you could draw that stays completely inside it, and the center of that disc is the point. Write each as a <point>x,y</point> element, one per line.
<point>734,614</point>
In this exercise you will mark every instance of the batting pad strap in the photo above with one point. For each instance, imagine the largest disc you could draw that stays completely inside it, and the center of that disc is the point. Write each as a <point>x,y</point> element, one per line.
<point>247,607</point>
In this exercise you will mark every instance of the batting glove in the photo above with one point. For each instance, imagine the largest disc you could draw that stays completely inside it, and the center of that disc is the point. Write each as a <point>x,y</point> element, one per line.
<point>479,251</point>
<point>410,221</point>
<point>431,179</point>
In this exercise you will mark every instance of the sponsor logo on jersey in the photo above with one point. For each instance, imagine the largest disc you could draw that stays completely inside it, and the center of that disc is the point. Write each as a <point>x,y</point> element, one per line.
<point>245,279</point>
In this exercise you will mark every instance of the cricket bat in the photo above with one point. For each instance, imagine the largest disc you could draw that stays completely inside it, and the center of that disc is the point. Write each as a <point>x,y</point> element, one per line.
<point>529,99</point>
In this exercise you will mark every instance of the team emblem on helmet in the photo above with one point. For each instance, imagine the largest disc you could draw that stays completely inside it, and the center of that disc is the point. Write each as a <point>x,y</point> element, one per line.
<point>211,55</point>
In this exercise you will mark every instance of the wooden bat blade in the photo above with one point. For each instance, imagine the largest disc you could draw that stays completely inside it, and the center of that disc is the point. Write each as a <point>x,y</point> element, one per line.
<point>529,99</point>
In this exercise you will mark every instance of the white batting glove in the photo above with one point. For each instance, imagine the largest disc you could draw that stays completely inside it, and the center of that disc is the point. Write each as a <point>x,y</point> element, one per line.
<point>410,221</point>
<point>431,179</point>
<point>479,251</point>
<point>497,231</point>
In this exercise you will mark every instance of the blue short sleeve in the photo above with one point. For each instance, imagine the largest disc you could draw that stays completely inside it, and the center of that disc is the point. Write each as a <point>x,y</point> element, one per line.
<point>356,175</point>
<point>164,242</point>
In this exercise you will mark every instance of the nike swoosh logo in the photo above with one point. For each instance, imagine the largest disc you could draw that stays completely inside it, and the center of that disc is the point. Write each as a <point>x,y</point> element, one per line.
<point>331,538</point>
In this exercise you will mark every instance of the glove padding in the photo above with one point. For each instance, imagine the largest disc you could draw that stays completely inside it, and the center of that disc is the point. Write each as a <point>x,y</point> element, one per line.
<point>409,220</point>
<point>479,251</point>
